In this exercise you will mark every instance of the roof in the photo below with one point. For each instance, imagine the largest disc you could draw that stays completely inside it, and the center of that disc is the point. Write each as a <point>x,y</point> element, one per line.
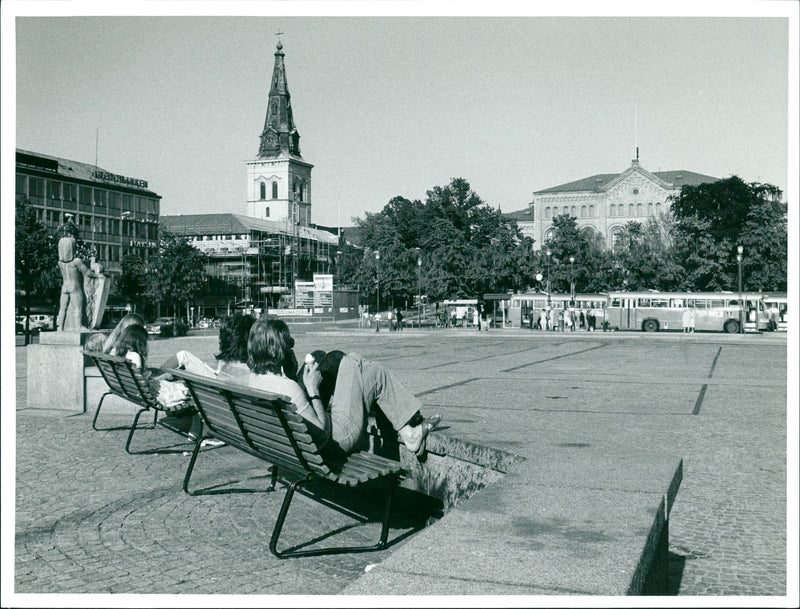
<point>73,169</point>
<point>231,224</point>
<point>520,216</point>
<point>597,183</point>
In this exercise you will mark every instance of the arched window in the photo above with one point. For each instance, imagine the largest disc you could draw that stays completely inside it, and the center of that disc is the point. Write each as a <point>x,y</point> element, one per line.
<point>566,210</point>
<point>650,209</point>
<point>638,209</point>
<point>658,208</point>
<point>572,212</point>
<point>591,211</point>
<point>630,210</point>
<point>546,213</point>
<point>274,189</point>
<point>263,188</point>
<point>583,211</point>
<point>587,233</point>
<point>612,210</point>
<point>548,235</point>
<point>266,212</point>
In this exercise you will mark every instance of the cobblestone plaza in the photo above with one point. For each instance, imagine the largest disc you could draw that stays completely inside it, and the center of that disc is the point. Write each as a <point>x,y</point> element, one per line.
<point>92,519</point>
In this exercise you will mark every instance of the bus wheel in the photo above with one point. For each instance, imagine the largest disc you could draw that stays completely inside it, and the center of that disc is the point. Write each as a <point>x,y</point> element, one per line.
<point>650,325</point>
<point>731,326</point>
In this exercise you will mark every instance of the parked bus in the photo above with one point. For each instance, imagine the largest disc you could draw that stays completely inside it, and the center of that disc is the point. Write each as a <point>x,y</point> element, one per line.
<point>777,301</point>
<point>714,311</point>
<point>524,305</point>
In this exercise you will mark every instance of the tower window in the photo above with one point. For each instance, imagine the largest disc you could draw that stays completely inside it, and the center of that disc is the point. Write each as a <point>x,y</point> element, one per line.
<point>274,189</point>
<point>266,212</point>
<point>263,188</point>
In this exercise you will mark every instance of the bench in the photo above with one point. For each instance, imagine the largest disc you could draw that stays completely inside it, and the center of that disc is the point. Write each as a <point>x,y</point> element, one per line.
<point>126,381</point>
<point>266,426</point>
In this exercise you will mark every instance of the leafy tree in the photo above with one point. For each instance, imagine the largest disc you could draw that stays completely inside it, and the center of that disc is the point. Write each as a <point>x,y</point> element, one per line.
<point>133,281</point>
<point>179,272</point>
<point>713,219</point>
<point>466,247</point>
<point>35,253</point>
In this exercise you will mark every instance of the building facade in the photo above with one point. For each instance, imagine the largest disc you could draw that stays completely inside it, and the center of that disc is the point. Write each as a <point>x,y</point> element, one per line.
<point>278,179</point>
<point>252,262</point>
<point>603,204</point>
<point>115,214</point>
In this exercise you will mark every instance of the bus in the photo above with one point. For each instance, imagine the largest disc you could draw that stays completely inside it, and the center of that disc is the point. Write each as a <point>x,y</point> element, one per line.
<point>523,306</point>
<point>777,301</point>
<point>652,311</point>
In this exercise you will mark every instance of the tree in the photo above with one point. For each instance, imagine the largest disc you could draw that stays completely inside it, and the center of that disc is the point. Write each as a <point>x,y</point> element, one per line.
<point>711,220</point>
<point>179,272</point>
<point>36,255</point>
<point>133,280</point>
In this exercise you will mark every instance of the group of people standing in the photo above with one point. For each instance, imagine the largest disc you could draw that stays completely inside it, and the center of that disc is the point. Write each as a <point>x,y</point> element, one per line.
<point>553,319</point>
<point>334,392</point>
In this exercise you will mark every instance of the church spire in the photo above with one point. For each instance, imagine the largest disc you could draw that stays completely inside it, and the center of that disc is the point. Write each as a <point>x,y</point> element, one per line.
<point>279,134</point>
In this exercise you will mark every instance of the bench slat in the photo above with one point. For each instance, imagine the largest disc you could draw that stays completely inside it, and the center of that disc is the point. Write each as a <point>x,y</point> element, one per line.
<point>259,409</point>
<point>272,433</point>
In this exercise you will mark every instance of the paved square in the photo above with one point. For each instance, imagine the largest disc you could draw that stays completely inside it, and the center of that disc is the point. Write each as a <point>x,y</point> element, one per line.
<point>90,518</point>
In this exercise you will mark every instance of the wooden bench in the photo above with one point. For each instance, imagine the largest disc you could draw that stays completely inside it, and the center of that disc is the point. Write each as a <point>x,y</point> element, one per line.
<point>266,426</point>
<point>126,381</point>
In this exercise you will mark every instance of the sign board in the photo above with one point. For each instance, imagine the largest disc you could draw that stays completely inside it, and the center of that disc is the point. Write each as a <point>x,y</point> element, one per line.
<point>304,293</point>
<point>323,290</point>
<point>292,312</point>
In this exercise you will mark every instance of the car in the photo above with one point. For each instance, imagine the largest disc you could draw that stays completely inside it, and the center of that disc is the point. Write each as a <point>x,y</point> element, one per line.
<point>167,326</point>
<point>38,322</point>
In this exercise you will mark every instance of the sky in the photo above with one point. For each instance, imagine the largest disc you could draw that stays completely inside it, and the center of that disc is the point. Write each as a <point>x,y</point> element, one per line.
<point>389,106</point>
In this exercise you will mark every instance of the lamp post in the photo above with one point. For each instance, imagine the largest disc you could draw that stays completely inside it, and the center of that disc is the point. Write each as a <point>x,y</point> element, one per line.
<point>739,251</point>
<point>419,285</point>
<point>549,253</point>
<point>572,278</point>
<point>378,281</point>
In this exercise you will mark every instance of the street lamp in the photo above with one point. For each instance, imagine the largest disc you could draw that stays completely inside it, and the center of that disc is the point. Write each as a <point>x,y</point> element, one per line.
<point>549,253</point>
<point>378,281</point>
<point>740,250</point>
<point>572,278</point>
<point>419,290</point>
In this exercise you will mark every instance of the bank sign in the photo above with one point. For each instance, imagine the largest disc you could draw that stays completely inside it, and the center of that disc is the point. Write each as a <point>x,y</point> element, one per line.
<point>118,179</point>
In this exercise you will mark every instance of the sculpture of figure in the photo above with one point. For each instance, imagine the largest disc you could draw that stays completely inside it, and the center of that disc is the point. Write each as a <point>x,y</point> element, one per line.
<point>71,314</point>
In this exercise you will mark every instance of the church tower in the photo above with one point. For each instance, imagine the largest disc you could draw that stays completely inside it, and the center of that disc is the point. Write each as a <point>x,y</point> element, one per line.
<point>278,179</point>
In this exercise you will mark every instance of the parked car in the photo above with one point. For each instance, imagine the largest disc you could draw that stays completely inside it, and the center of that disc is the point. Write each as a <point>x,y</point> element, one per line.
<point>167,326</point>
<point>38,322</point>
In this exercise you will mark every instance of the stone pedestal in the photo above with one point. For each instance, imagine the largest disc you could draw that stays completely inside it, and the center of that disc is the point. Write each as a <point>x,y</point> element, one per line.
<point>56,371</point>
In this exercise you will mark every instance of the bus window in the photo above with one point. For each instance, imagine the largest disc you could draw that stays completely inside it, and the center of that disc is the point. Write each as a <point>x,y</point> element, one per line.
<point>515,303</point>
<point>716,304</point>
<point>661,303</point>
<point>697,303</point>
<point>676,303</point>
<point>643,302</point>
<point>616,303</point>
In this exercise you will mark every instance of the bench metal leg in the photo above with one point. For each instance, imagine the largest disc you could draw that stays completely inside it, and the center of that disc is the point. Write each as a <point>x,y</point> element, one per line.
<point>274,481</point>
<point>273,544</point>
<point>133,429</point>
<point>97,412</point>
<point>198,443</point>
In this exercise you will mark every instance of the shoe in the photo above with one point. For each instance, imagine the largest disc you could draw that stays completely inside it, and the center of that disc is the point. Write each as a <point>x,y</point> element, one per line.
<point>190,437</point>
<point>416,438</point>
<point>211,442</point>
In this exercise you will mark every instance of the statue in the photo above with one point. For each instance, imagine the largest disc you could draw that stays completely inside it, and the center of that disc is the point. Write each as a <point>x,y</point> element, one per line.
<point>71,314</point>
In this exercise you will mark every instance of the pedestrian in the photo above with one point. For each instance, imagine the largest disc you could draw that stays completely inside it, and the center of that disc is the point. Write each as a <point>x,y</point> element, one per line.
<point>686,320</point>
<point>390,320</point>
<point>399,319</point>
<point>543,320</point>
<point>551,319</point>
<point>692,320</point>
<point>476,319</point>
<point>591,319</point>
<point>582,320</point>
<point>378,321</point>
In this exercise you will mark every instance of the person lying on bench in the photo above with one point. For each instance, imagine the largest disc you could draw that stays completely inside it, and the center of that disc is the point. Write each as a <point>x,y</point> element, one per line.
<point>360,386</point>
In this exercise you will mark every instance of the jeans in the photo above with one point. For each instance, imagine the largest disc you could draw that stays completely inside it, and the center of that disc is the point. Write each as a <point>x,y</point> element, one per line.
<point>360,385</point>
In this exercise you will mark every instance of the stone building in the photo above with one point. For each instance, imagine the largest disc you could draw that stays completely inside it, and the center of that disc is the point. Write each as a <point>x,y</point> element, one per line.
<point>602,204</point>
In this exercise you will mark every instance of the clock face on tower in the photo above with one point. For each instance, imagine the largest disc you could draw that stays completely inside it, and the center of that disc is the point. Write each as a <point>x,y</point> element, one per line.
<point>271,138</point>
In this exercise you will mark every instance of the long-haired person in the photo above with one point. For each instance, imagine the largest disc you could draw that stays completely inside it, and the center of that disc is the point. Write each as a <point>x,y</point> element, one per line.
<point>360,386</point>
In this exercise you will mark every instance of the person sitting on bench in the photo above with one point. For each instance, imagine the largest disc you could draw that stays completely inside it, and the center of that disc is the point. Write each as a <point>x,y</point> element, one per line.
<point>108,344</point>
<point>360,386</point>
